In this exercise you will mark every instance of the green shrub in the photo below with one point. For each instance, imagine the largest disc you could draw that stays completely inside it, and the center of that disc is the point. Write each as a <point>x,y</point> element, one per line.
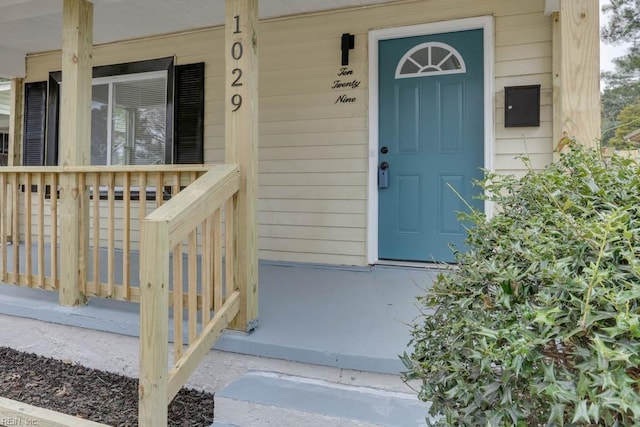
<point>540,324</point>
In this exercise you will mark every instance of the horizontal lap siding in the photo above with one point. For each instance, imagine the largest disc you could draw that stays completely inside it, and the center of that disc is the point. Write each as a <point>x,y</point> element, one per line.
<point>523,57</point>
<point>313,152</point>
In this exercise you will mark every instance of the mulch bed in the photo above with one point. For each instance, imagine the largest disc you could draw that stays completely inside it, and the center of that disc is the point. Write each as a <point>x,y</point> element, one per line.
<point>89,393</point>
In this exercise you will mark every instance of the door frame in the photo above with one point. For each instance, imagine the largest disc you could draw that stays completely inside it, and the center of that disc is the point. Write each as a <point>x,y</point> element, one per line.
<point>485,23</point>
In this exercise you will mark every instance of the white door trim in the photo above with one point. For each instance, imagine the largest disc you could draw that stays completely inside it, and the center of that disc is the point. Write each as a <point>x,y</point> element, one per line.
<point>482,22</point>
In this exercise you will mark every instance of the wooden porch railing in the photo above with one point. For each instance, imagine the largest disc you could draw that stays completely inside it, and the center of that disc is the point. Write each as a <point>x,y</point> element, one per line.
<point>168,234</point>
<point>117,198</point>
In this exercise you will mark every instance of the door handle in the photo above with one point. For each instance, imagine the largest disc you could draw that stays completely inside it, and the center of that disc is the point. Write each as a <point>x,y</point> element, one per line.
<point>383,175</point>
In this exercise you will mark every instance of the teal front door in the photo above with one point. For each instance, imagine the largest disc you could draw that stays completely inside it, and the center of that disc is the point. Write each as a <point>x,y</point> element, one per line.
<point>431,142</point>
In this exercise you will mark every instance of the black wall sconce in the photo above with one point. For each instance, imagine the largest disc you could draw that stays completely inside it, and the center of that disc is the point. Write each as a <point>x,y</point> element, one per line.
<point>348,43</point>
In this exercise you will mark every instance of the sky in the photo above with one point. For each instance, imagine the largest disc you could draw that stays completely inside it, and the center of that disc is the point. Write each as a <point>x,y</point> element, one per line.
<point>607,51</point>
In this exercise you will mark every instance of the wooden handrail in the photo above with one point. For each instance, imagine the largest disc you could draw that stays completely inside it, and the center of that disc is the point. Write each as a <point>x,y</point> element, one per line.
<point>193,212</point>
<point>31,169</point>
<point>139,168</point>
<point>196,202</point>
<point>106,169</point>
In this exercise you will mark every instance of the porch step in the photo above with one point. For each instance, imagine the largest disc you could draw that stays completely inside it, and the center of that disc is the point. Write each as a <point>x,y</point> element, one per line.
<point>261,398</point>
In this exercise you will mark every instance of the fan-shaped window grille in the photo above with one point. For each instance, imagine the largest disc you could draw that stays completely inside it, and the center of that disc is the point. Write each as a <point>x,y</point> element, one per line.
<point>430,59</point>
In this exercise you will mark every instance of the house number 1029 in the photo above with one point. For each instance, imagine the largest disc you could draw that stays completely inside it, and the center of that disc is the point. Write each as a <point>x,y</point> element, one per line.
<point>236,53</point>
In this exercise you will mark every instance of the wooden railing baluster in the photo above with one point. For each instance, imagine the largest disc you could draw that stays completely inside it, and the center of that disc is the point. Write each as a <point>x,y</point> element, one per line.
<point>229,250</point>
<point>178,336</point>
<point>41,260</point>
<point>15,229</point>
<point>142,196</point>
<point>126,236</point>
<point>217,260</point>
<point>84,231</point>
<point>193,285</point>
<point>111,198</point>
<point>28,230</point>
<point>3,228</point>
<point>159,189</point>
<point>54,230</point>
<point>95,193</point>
<point>207,266</point>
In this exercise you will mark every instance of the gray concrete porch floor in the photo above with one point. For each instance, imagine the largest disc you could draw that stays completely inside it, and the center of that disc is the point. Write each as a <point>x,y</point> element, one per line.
<point>350,318</point>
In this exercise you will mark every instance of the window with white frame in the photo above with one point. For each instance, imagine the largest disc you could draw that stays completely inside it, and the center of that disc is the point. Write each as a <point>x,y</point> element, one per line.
<point>128,119</point>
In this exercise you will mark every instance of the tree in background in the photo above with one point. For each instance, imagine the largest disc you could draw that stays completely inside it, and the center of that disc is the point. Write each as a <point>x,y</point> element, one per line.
<point>629,119</point>
<point>622,86</point>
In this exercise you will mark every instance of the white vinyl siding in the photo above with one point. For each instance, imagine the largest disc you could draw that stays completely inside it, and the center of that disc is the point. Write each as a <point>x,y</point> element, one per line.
<point>523,56</point>
<point>313,152</point>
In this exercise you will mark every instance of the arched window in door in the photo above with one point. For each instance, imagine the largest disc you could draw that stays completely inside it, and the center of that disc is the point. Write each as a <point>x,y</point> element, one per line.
<point>429,59</point>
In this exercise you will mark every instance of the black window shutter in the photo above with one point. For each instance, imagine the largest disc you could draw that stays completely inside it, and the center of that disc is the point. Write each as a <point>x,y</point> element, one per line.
<point>188,115</point>
<point>35,116</point>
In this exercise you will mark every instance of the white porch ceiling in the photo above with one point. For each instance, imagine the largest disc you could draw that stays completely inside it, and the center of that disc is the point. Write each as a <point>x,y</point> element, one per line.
<point>28,26</point>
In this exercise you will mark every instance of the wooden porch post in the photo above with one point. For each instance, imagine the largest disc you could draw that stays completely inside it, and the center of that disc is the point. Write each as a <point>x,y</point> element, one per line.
<point>154,325</point>
<point>13,157</point>
<point>15,122</point>
<point>577,71</point>
<point>241,146</point>
<point>75,137</point>
<point>556,68</point>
